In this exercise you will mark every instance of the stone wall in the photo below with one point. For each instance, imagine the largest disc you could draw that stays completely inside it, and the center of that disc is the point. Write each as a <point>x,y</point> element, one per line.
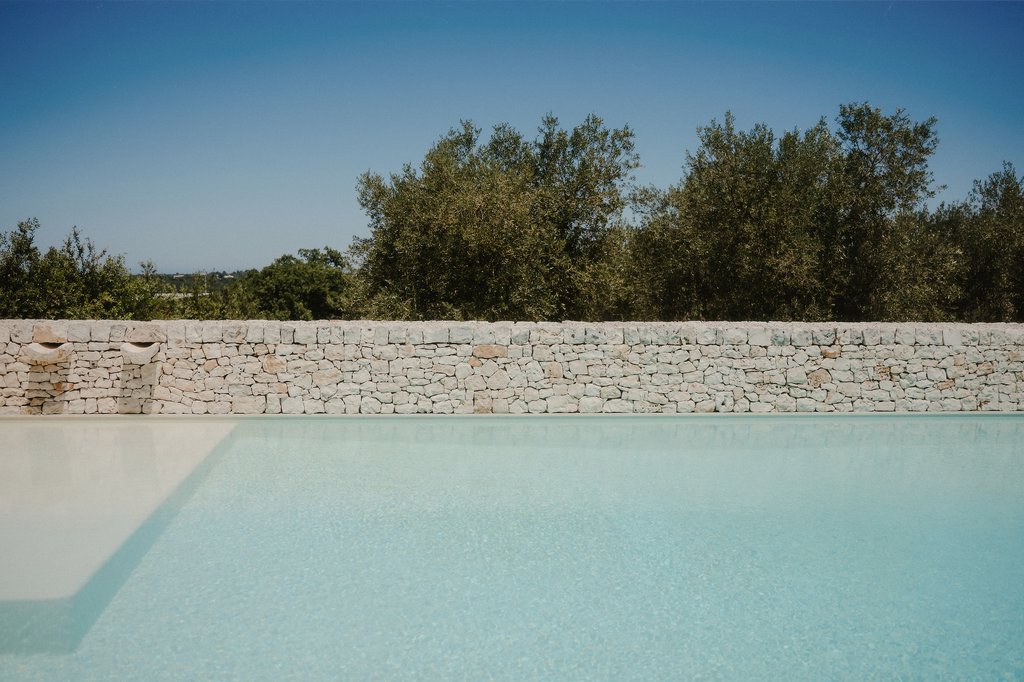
<point>359,367</point>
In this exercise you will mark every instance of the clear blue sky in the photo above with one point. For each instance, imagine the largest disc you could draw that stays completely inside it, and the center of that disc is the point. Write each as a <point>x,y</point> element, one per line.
<point>220,136</point>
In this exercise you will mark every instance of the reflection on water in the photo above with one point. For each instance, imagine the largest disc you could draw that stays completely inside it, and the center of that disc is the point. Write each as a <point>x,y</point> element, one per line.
<point>732,461</point>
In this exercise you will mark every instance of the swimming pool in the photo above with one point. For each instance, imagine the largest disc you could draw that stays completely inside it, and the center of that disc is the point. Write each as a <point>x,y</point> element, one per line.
<point>743,547</point>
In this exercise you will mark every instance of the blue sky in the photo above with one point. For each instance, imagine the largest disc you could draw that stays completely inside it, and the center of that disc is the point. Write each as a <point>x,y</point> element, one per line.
<point>220,135</point>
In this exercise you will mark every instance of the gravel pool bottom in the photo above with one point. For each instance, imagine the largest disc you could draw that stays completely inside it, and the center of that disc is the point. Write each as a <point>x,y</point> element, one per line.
<point>576,548</point>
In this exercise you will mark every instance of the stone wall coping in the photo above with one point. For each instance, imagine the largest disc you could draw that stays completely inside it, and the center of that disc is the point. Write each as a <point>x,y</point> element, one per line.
<point>62,327</point>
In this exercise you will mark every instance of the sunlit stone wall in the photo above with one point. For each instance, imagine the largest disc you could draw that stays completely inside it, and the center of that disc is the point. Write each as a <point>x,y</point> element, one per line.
<point>361,367</point>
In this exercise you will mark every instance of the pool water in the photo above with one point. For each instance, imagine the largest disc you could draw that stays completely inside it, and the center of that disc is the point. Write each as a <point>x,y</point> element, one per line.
<point>852,547</point>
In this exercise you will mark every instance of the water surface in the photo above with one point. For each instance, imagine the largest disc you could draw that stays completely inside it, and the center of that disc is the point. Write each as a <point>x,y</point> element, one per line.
<point>580,548</point>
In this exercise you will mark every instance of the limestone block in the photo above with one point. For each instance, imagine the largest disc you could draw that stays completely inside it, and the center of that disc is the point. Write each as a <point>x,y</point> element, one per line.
<point>211,332</point>
<point>617,406</point>
<point>662,335</point>
<point>502,333</point>
<point>906,336</point>
<point>614,335</point>
<point>306,336</point>
<point>50,331</point>
<point>806,405</point>
<point>435,333</point>
<point>348,335</point>
<point>327,377</point>
<point>287,332</point>
<point>559,404</point>
<point>482,404</point>
<point>952,338</point>
<point>47,353</point>
<point>248,404</point>
<point>543,354</point>
<point>490,351</point>
<point>760,336</point>
<point>77,332</point>
<point>823,336</point>
<point>796,376</point>
<point>498,380</point>
<point>818,377</point>
<point>335,406</point>
<point>520,334</point>
<point>174,333</point>
<point>786,403</point>
<point>573,335</point>
<point>233,332</point>
<point>903,352</point>
<point>139,353</point>
<point>460,335</point>
<point>872,336</point>
<point>731,336</point>
<point>709,336</point>
<point>801,337</point>
<point>724,402</point>
<point>847,336</point>
<point>21,331</point>
<point>271,332</point>
<point>951,405</point>
<point>484,334</point>
<point>577,367</point>
<point>705,406</point>
<point>145,333</point>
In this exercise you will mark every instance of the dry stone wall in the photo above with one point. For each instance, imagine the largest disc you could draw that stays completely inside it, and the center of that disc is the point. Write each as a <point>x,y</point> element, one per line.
<point>360,367</point>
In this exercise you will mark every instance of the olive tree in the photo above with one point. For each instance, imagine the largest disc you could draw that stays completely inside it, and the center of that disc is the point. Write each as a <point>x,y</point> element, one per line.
<point>502,228</point>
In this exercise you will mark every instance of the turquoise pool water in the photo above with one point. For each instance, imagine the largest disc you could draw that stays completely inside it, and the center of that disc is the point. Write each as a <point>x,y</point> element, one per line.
<point>568,548</point>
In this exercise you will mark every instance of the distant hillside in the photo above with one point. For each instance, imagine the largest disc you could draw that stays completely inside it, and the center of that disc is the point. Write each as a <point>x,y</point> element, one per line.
<point>203,281</point>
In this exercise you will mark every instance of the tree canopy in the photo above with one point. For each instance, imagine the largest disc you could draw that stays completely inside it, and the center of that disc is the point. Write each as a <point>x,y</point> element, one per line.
<point>829,222</point>
<point>503,228</point>
<point>75,280</point>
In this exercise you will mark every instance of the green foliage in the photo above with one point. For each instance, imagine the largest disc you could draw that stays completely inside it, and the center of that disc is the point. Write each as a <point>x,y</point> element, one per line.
<point>740,237</point>
<point>991,241</point>
<point>826,223</point>
<point>917,277</point>
<point>820,225</point>
<point>318,285</point>
<point>18,259</point>
<point>497,229</point>
<point>74,281</point>
<point>885,175</point>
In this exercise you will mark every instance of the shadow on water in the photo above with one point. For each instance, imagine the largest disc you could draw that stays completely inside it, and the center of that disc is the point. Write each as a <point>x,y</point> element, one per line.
<point>58,625</point>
